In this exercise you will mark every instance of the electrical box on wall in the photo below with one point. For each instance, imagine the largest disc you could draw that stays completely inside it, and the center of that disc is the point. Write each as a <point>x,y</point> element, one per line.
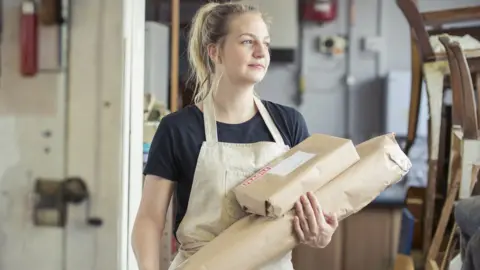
<point>284,28</point>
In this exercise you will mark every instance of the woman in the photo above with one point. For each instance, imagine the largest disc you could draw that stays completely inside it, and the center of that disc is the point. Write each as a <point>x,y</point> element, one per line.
<point>206,149</point>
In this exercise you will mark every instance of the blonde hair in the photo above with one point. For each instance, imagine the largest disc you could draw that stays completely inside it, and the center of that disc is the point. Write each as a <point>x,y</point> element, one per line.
<point>209,26</point>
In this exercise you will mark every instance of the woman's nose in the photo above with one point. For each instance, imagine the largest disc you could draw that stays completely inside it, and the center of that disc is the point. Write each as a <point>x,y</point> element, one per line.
<point>260,50</point>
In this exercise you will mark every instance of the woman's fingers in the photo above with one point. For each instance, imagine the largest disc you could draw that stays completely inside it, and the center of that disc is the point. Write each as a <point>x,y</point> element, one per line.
<point>317,209</point>
<point>302,218</point>
<point>298,229</point>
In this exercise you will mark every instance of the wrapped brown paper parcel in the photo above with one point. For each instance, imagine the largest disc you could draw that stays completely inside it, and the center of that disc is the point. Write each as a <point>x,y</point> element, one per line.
<point>274,189</point>
<point>255,240</point>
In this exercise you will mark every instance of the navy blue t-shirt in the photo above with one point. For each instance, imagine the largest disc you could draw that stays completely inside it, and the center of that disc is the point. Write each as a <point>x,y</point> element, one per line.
<point>176,145</point>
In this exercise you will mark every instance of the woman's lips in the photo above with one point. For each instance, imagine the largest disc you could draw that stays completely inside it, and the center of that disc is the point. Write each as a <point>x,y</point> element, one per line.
<point>257,66</point>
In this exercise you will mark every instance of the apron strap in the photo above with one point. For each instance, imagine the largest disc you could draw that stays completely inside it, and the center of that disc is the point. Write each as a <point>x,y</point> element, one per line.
<point>269,121</point>
<point>210,121</point>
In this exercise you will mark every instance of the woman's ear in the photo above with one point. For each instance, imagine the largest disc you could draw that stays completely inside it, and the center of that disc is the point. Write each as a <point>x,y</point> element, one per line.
<point>214,53</point>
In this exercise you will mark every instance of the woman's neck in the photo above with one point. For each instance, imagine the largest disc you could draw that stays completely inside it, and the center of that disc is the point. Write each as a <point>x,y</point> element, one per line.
<point>233,104</point>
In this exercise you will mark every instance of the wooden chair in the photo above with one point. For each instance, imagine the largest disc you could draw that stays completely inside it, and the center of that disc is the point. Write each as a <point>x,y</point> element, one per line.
<point>423,52</point>
<point>465,141</point>
<point>465,148</point>
<point>432,68</point>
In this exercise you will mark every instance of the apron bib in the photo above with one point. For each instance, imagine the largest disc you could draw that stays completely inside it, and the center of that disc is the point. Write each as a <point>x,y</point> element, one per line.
<point>212,206</point>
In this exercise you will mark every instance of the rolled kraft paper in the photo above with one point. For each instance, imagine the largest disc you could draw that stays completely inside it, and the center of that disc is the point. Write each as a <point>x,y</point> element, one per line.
<point>254,241</point>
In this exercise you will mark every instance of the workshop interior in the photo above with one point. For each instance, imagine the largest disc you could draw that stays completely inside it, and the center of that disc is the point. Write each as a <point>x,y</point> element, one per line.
<point>84,85</point>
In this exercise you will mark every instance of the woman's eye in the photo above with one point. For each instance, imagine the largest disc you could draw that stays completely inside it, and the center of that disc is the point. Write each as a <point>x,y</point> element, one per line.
<point>247,42</point>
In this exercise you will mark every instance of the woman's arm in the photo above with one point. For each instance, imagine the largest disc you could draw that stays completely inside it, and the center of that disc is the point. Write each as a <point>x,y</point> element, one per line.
<point>150,221</point>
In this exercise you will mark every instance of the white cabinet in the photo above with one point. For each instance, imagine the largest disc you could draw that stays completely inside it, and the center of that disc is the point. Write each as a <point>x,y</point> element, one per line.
<point>157,59</point>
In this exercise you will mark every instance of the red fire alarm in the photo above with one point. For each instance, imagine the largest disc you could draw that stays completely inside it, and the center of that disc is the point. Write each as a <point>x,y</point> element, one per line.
<point>321,11</point>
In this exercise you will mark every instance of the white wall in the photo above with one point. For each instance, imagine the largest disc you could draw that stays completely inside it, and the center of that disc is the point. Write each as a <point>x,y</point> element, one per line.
<point>40,136</point>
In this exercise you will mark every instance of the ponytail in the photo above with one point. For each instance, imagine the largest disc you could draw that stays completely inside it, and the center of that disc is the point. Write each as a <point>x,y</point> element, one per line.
<point>198,54</point>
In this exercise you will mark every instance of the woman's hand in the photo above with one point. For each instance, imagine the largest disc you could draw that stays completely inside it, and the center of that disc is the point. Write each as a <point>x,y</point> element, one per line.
<point>313,227</point>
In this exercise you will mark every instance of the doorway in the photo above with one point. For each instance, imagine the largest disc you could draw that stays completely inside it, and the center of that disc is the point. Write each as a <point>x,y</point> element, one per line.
<point>155,84</point>
<point>134,53</point>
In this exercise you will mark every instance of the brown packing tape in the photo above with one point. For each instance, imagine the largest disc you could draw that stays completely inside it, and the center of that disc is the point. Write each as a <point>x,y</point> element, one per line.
<point>254,241</point>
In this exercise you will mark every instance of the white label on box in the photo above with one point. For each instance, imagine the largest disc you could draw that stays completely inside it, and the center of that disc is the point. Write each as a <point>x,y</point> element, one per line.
<point>291,163</point>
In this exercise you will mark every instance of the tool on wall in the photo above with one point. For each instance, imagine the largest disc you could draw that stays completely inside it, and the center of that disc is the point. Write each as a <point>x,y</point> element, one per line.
<point>333,45</point>
<point>53,197</point>
<point>28,39</point>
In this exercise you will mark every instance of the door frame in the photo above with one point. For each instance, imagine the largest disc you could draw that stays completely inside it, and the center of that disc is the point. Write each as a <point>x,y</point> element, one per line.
<point>133,90</point>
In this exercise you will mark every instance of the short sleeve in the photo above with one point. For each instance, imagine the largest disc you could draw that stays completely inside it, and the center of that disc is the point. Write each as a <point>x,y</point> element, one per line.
<point>162,160</point>
<point>300,129</point>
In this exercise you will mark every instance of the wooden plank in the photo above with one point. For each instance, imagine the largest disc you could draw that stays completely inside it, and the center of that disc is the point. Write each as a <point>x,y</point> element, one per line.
<point>440,17</point>
<point>174,73</point>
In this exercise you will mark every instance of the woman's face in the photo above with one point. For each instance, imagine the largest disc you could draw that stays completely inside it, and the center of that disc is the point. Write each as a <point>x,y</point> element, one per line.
<point>245,57</point>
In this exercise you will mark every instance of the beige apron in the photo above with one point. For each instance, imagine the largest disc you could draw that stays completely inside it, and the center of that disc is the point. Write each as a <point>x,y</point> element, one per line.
<point>212,206</point>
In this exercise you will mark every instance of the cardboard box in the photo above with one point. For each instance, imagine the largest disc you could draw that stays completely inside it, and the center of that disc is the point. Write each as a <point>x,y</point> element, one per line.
<point>254,241</point>
<point>273,190</point>
<point>382,222</point>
